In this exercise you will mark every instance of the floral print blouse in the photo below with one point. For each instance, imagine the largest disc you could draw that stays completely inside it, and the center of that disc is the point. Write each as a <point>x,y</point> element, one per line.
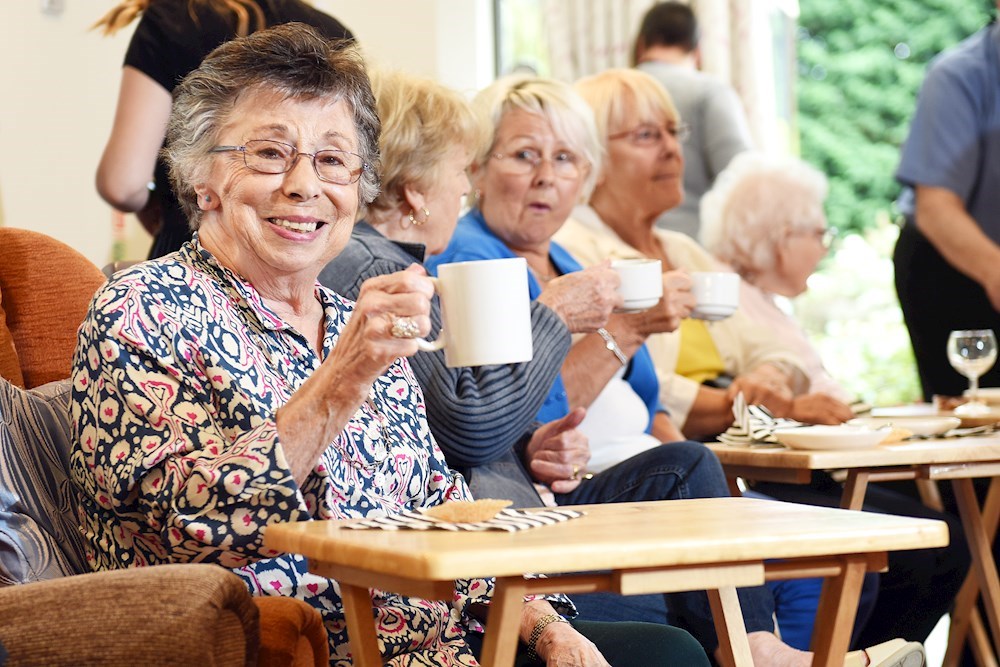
<point>179,371</point>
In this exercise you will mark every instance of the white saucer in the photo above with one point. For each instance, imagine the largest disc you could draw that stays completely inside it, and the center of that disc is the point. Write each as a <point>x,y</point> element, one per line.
<point>830,437</point>
<point>713,311</point>
<point>636,305</point>
<point>918,425</point>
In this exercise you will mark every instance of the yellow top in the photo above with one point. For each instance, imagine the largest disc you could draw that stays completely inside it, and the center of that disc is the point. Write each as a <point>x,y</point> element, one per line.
<point>699,359</point>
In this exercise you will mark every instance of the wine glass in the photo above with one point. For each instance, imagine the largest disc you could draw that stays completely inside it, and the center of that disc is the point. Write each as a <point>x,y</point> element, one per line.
<point>972,353</point>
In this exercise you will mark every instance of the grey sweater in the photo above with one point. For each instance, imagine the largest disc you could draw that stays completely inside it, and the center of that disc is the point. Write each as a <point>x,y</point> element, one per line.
<point>477,415</point>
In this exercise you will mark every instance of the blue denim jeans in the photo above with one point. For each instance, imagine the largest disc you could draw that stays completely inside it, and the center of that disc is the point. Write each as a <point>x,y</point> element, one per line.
<point>672,471</point>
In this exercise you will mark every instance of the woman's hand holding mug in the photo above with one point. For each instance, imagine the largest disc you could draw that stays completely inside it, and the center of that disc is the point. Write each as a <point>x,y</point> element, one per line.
<point>584,299</point>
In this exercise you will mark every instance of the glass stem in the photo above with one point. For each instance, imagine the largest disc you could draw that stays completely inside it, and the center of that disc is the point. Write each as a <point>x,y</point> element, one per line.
<point>974,389</point>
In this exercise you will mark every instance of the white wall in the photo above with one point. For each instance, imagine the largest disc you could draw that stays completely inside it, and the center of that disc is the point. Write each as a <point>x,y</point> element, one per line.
<point>59,83</point>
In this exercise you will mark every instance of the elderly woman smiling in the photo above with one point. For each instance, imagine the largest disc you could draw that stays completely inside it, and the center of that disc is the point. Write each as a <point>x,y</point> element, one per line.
<point>220,389</point>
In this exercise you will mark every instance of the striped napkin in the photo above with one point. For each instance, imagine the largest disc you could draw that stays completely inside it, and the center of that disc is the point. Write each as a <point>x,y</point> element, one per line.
<point>754,425</point>
<point>509,520</point>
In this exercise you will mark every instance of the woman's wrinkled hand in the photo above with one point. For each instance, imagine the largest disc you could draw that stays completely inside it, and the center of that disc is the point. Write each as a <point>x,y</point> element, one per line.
<point>776,398</point>
<point>562,646</point>
<point>558,452</point>
<point>584,299</point>
<point>367,341</point>
<point>820,409</point>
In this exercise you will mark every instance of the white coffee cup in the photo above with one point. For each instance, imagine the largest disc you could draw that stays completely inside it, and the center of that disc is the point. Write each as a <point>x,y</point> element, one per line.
<point>486,311</point>
<point>641,282</point>
<point>716,293</point>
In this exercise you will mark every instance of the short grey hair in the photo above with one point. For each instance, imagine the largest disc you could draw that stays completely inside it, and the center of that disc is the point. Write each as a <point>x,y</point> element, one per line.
<point>754,203</point>
<point>553,100</point>
<point>291,59</point>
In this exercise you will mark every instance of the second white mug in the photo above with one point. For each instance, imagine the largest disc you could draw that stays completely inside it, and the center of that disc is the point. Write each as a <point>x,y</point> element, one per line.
<point>641,282</point>
<point>716,293</point>
<point>486,311</point>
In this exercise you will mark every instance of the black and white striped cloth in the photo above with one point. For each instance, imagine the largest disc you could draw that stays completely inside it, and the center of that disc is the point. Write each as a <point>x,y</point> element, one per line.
<point>753,425</point>
<point>509,520</point>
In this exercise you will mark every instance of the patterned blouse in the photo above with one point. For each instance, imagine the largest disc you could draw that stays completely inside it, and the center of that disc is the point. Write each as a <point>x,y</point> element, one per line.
<point>179,371</point>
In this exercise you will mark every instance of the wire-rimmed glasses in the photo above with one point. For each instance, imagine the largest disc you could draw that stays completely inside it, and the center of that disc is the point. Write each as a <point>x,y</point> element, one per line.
<point>524,161</point>
<point>972,352</point>
<point>649,134</point>
<point>275,157</point>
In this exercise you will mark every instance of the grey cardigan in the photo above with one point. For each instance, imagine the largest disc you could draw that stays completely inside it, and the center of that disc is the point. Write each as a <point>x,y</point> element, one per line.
<point>477,415</point>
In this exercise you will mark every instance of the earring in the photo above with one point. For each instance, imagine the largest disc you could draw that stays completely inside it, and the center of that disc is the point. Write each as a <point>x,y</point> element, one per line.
<point>413,220</point>
<point>208,198</point>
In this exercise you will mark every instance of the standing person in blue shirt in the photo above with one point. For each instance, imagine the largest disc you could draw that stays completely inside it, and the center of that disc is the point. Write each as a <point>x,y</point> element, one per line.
<point>948,255</point>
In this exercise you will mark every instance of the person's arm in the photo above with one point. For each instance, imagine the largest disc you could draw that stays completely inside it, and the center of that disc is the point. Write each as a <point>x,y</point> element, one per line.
<point>127,164</point>
<point>941,217</point>
<point>664,429</point>
<point>320,409</point>
<point>478,414</point>
<point>588,367</point>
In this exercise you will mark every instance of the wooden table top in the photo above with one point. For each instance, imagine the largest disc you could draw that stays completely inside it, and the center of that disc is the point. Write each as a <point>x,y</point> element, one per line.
<point>613,536</point>
<point>916,452</point>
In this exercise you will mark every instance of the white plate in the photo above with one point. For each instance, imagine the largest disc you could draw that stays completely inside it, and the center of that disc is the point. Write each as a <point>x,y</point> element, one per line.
<point>830,437</point>
<point>918,425</point>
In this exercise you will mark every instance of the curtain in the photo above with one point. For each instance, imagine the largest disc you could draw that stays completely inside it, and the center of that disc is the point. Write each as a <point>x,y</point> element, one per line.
<point>746,43</point>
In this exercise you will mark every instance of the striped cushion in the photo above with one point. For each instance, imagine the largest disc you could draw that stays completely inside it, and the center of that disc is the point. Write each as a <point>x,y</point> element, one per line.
<point>39,534</point>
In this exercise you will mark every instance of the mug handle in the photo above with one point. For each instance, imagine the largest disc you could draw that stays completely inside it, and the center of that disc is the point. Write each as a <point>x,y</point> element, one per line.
<point>425,345</point>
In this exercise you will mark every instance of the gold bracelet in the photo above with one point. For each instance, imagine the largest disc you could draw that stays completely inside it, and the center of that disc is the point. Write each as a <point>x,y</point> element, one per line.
<point>536,632</point>
<point>612,345</point>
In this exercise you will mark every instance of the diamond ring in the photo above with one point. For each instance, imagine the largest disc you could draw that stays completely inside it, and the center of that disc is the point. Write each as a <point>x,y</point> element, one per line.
<point>404,327</point>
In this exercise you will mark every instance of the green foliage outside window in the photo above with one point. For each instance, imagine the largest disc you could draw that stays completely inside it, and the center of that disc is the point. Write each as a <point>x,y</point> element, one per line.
<point>860,66</point>
<point>861,63</point>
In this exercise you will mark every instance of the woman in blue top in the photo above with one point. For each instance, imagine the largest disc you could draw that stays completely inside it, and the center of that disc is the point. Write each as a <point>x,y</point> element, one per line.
<point>543,160</point>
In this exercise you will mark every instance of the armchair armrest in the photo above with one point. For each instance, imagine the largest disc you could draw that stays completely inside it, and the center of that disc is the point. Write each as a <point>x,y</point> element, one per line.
<point>162,615</point>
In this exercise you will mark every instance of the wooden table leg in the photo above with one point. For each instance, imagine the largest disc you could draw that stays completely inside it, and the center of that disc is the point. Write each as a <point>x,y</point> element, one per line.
<point>360,625</point>
<point>838,605</point>
<point>734,649</point>
<point>978,536</point>
<point>854,489</point>
<point>503,623</point>
<point>965,617</point>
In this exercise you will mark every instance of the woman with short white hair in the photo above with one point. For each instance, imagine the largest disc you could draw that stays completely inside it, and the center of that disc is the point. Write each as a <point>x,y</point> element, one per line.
<point>764,218</point>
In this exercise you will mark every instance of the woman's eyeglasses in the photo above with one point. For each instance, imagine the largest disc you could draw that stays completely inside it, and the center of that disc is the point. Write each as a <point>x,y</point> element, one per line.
<point>274,157</point>
<point>652,135</point>
<point>565,165</point>
<point>825,235</point>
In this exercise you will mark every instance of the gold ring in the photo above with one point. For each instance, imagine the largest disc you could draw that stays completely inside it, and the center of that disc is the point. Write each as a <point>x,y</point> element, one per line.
<point>576,472</point>
<point>404,327</point>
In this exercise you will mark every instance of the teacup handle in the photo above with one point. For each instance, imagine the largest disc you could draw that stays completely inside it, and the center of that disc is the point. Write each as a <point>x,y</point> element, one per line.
<point>425,345</point>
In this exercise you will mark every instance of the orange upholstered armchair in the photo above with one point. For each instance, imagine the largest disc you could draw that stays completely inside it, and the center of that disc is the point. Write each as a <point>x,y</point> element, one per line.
<point>179,614</point>
<point>45,287</point>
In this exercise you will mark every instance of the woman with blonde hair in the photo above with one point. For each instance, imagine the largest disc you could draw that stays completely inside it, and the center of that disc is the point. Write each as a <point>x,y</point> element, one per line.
<point>171,39</point>
<point>703,365</point>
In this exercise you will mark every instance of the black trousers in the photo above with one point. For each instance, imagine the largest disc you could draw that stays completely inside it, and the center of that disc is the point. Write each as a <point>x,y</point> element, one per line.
<point>936,299</point>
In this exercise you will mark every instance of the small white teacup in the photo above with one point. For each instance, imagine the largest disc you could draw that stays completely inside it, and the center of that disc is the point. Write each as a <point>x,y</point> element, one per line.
<point>641,283</point>
<point>486,311</point>
<point>716,293</point>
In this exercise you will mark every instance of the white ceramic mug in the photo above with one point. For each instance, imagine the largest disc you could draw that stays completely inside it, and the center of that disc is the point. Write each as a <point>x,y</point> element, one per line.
<point>486,311</point>
<point>716,293</point>
<point>641,282</point>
